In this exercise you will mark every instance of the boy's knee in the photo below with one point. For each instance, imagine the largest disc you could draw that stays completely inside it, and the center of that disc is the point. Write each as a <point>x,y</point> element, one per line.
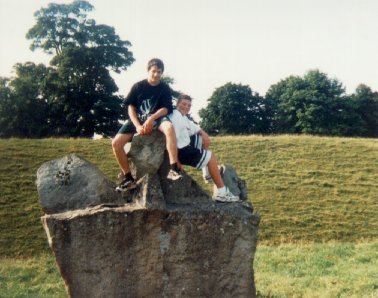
<point>118,143</point>
<point>213,159</point>
<point>115,143</point>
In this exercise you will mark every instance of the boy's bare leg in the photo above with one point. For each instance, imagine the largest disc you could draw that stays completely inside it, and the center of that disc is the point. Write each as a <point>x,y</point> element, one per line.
<point>214,171</point>
<point>167,129</point>
<point>118,145</point>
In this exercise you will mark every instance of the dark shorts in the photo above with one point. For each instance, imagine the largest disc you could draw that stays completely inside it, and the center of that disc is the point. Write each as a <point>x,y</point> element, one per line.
<point>128,126</point>
<point>196,141</point>
<point>194,157</point>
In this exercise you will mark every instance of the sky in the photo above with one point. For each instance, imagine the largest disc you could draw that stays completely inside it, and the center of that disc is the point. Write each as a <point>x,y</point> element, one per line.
<point>208,43</point>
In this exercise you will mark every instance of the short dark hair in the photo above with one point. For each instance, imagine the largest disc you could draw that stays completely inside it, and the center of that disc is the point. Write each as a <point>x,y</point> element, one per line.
<point>183,96</point>
<point>155,62</point>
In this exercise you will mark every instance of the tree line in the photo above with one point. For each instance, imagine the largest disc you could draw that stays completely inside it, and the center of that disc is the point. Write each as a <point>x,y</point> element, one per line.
<point>312,104</point>
<point>76,96</point>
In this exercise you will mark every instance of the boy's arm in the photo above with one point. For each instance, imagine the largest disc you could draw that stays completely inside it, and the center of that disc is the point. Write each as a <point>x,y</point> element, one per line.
<point>134,119</point>
<point>205,139</point>
<point>165,108</point>
<point>149,124</point>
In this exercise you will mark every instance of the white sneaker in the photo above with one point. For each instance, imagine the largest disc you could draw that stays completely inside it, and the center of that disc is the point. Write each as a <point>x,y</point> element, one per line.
<point>227,197</point>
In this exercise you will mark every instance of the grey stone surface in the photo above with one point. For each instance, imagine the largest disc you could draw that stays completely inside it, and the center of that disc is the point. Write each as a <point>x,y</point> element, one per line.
<point>203,250</point>
<point>146,153</point>
<point>71,183</point>
<point>231,179</point>
<point>184,191</point>
<point>149,193</point>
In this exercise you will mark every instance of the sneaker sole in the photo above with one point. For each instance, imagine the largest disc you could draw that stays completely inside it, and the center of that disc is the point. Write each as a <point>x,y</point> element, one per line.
<point>222,201</point>
<point>174,178</point>
<point>219,201</point>
<point>120,189</point>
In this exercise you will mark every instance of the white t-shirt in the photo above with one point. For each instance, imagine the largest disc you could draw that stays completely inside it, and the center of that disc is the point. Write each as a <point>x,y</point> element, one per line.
<point>184,128</point>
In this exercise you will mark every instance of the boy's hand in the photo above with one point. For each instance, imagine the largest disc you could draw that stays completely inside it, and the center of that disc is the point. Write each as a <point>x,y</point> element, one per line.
<point>205,140</point>
<point>140,130</point>
<point>148,125</point>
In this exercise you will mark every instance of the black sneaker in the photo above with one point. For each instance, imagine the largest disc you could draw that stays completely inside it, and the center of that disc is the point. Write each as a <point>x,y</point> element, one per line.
<point>126,185</point>
<point>174,174</point>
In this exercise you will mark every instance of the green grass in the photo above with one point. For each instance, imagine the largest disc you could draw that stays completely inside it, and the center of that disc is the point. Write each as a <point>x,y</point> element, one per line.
<point>317,270</point>
<point>288,270</point>
<point>31,277</point>
<point>308,188</point>
<point>311,189</point>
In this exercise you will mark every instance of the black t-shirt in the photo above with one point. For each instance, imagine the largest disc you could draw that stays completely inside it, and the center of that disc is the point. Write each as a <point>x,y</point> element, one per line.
<point>147,99</point>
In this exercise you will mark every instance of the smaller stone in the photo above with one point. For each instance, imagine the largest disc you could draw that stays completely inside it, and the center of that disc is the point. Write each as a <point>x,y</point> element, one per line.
<point>71,183</point>
<point>183,191</point>
<point>148,193</point>
<point>146,153</point>
<point>232,181</point>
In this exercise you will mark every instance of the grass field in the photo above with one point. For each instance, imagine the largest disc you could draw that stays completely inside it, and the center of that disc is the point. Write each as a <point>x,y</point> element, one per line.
<point>308,190</point>
<point>317,270</point>
<point>305,188</point>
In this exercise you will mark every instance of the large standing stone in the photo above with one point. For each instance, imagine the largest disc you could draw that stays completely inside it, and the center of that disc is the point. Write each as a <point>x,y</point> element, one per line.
<point>71,183</point>
<point>202,250</point>
<point>171,241</point>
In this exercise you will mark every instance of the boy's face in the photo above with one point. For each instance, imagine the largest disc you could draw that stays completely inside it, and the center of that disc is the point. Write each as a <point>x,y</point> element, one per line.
<point>184,106</point>
<point>154,75</point>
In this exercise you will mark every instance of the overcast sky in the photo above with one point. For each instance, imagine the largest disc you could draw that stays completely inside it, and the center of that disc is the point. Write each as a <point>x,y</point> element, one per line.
<point>207,43</point>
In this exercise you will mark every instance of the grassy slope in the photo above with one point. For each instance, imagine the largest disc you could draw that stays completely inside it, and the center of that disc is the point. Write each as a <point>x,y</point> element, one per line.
<point>317,270</point>
<point>305,188</point>
<point>308,188</point>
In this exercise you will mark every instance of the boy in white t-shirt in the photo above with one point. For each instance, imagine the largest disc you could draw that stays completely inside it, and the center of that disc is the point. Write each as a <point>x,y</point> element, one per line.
<point>189,154</point>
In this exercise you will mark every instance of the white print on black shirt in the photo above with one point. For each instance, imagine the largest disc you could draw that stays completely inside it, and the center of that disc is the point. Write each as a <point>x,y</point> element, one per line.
<point>145,108</point>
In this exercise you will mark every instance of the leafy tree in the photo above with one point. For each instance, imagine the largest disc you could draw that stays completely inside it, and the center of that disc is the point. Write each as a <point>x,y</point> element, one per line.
<point>284,98</point>
<point>6,108</point>
<point>24,109</point>
<point>82,96</point>
<point>65,26</point>
<point>366,102</point>
<point>28,92</point>
<point>313,104</point>
<point>234,109</point>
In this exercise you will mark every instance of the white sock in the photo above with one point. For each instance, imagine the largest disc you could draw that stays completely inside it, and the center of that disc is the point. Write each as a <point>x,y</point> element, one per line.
<point>205,171</point>
<point>221,190</point>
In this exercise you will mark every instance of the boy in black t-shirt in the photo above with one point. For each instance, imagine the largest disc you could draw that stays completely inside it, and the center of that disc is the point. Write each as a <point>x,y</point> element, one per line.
<point>149,101</point>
